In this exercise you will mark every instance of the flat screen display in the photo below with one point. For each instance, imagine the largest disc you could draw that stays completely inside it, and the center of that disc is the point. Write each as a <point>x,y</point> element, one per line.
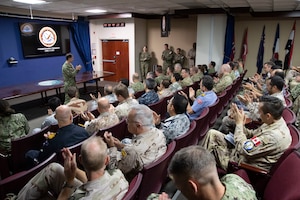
<point>41,40</point>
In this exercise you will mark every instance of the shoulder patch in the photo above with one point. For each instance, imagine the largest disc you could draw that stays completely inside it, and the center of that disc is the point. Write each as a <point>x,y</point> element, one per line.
<point>248,145</point>
<point>256,141</point>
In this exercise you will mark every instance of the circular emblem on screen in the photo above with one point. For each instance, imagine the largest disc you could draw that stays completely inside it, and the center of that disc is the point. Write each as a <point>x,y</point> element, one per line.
<point>26,28</point>
<point>47,36</point>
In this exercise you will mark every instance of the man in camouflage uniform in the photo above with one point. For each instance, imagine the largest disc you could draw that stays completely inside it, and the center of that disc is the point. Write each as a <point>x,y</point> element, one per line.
<point>159,75</point>
<point>175,79</point>
<point>147,145</point>
<point>104,120</point>
<point>225,79</point>
<point>187,81</point>
<point>69,74</point>
<point>195,75</point>
<point>136,85</point>
<point>192,55</point>
<point>178,57</point>
<point>69,182</point>
<point>193,170</point>
<point>261,147</point>
<point>145,59</point>
<point>125,102</point>
<point>167,57</point>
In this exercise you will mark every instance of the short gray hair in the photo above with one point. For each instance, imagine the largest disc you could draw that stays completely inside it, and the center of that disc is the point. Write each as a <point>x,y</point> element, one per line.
<point>143,114</point>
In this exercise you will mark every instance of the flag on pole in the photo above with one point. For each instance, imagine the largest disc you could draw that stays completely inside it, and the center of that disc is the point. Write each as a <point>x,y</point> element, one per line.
<point>244,49</point>
<point>275,55</point>
<point>289,48</point>
<point>261,51</point>
<point>229,40</point>
<point>232,53</point>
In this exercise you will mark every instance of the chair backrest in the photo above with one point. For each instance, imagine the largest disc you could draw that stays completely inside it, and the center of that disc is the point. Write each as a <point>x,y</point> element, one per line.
<point>288,115</point>
<point>154,174</point>
<point>20,146</point>
<point>202,123</point>
<point>213,113</point>
<point>195,85</point>
<point>222,101</point>
<point>4,166</point>
<point>157,107</point>
<point>133,187</point>
<point>186,139</point>
<point>139,94</point>
<point>117,130</point>
<point>164,107</point>
<point>14,183</point>
<point>284,184</point>
<point>288,102</point>
<point>76,148</point>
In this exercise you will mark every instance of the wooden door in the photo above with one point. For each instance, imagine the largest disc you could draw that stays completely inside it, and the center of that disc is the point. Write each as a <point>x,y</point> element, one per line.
<point>116,58</point>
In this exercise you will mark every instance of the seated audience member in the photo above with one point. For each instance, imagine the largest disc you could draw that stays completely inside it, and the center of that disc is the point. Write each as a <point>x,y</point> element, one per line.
<point>104,120</point>
<point>67,135</point>
<point>204,69</point>
<point>150,75</point>
<point>291,74</point>
<point>175,86</point>
<point>163,89</point>
<point>70,182</point>
<point>159,74</point>
<point>195,75</point>
<point>177,68</point>
<point>125,81</point>
<point>261,147</point>
<point>234,70</point>
<point>150,96</point>
<point>147,145</point>
<point>136,85</point>
<point>170,72</point>
<point>77,105</point>
<point>125,102</point>
<point>178,123</point>
<point>211,67</point>
<point>186,81</point>
<point>224,79</point>
<point>12,126</point>
<point>108,94</point>
<point>205,99</point>
<point>241,65</point>
<point>53,103</point>
<point>193,170</point>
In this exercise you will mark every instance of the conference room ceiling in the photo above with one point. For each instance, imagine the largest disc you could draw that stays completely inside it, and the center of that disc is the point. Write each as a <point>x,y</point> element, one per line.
<point>146,7</point>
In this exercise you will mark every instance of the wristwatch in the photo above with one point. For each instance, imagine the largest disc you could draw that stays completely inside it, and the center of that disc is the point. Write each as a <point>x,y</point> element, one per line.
<point>66,185</point>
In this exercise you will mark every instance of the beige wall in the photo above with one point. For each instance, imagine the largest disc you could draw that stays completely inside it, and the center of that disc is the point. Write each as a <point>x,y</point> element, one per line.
<point>183,34</point>
<point>255,27</point>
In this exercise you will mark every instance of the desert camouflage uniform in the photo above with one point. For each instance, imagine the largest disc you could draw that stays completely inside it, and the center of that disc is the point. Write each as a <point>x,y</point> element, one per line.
<point>69,74</point>
<point>223,83</point>
<point>164,93</point>
<point>143,150</point>
<point>12,127</point>
<point>104,120</point>
<point>123,108</point>
<point>175,87</point>
<point>261,147</point>
<point>112,185</point>
<point>167,56</point>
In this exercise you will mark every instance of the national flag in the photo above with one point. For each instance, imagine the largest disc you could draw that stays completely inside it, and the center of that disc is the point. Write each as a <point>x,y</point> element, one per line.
<point>289,48</point>
<point>229,48</point>
<point>244,49</point>
<point>232,53</point>
<point>261,51</point>
<point>275,55</point>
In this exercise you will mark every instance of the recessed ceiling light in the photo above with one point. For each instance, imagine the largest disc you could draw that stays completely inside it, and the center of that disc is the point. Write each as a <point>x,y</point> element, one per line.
<point>96,11</point>
<point>31,1</point>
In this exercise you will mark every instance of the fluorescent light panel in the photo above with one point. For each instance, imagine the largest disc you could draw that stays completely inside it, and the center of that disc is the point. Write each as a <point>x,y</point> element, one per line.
<point>96,11</point>
<point>31,1</point>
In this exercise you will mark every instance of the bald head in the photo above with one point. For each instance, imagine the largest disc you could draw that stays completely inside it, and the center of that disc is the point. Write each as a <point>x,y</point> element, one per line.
<point>225,68</point>
<point>94,154</point>
<point>135,77</point>
<point>63,115</point>
<point>103,105</point>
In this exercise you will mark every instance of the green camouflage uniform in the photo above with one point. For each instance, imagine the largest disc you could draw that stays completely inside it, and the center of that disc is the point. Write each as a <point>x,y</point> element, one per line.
<point>196,77</point>
<point>160,78</point>
<point>12,127</point>
<point>186,82</point>
<point>261,147</point>
<point>145,58</point>
<point>112,185</point>
<point>137,86</point>
<point>178,58</point>
<point>69,74</point>
<point>167,56</point>
<point>223,83</point>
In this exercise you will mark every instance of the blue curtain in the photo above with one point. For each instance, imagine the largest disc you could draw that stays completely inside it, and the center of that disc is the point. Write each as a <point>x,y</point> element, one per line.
<point>81,35</point>
<point>229,39</point>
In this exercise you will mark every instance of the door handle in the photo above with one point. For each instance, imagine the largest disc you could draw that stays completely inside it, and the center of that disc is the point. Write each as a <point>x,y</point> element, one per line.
<point>110,61</point>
